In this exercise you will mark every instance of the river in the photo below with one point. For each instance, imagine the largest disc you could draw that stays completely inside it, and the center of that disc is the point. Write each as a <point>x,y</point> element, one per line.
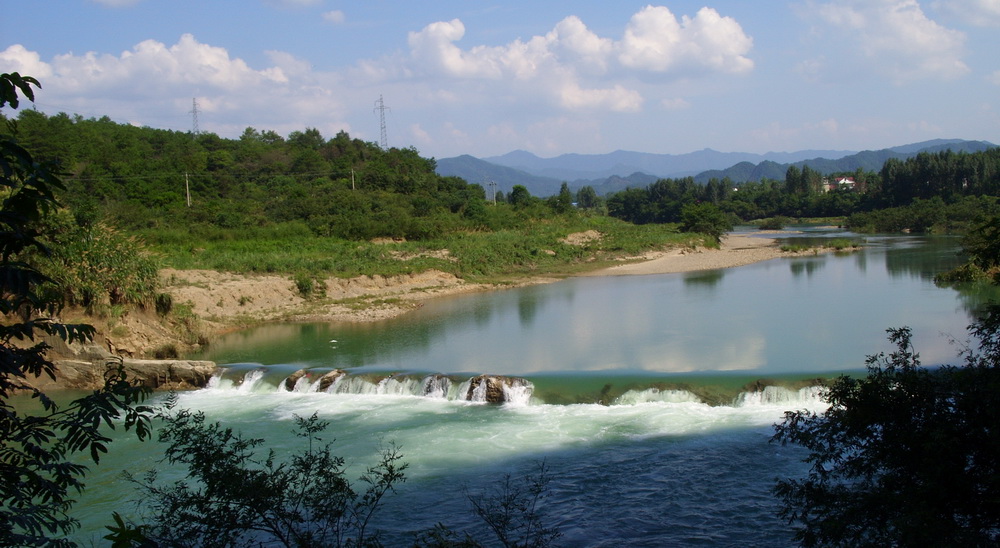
<point>619,371</point>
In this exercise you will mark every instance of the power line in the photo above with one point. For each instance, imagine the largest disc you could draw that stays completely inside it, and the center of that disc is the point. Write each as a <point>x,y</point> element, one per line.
<point>380,109</point>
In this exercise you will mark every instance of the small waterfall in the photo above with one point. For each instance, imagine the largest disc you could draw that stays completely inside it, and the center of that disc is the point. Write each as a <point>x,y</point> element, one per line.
<point>499,389</point>
<point>777,395</point>
<point>518,393</point>
<point>437,386</point>
<point>214,382</point>
<point>400,386</point>
<point>651,395</point>
<point>250,381</point>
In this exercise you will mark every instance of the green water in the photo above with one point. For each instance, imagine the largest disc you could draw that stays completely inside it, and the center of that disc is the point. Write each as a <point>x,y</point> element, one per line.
<point>646,400</point>
<point>792,316</point>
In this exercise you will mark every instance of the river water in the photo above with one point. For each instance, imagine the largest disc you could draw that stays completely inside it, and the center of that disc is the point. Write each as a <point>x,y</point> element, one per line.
<point>640,396</point>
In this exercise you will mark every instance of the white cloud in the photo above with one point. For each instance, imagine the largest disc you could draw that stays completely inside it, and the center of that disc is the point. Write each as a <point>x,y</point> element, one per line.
<point>616,99</point>
<point>574,67</point>
<point>137,84</point>
<point>895,37</point>
<point>336,17</point>
<point>656,41</point>
<point>995,78</point>
<point>152,66</point>
<point>17,58</point>
<point>982,13</point>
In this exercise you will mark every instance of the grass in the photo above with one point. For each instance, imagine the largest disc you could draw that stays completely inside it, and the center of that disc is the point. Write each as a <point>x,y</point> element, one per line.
<point>836,244</point>
<point>534,249</point>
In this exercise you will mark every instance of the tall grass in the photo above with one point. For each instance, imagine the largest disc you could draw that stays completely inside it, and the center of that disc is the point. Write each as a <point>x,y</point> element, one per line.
<point>533,248</point>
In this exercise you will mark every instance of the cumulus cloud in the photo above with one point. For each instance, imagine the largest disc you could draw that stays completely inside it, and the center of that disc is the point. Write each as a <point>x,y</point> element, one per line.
<point>656,41</point>
<point>153,80</point>
<point>577,68</point>
<point>896,37</point>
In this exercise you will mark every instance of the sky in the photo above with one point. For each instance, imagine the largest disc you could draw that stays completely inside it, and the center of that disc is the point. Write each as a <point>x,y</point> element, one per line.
<point>549,77</point>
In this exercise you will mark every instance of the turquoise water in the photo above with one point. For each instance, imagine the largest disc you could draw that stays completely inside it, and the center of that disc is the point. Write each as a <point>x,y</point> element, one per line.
<point>618,370</point>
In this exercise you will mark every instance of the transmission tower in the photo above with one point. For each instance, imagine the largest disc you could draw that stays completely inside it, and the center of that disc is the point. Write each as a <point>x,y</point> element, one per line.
<point>380,109</point>
<point>194,117</point>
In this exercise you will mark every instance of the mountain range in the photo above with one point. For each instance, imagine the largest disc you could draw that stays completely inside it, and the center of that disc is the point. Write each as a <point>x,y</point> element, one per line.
<point>621,169</point>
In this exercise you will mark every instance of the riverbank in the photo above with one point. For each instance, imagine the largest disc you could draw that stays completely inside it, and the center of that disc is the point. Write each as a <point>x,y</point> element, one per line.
<point>208,303</point>
<point>224,301</point>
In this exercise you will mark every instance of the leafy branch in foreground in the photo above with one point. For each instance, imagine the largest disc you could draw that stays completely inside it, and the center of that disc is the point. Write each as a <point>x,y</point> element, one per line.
<point>511,511</point>
<point>906,456</point>
<point>233,497</point>
<point>39,468</point>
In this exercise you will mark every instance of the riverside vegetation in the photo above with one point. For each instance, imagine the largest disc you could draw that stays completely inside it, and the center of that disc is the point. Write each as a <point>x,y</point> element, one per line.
<point>306,207</point>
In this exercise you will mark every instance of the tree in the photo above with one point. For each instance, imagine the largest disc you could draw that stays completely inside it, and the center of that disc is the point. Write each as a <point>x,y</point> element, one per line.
<point>39,466</point>
<point>906,456</point>
<point>586,197</point>
<point>563,202</point>
<point>234,497</point>
<point>705,218</point>
<point>519,196</point>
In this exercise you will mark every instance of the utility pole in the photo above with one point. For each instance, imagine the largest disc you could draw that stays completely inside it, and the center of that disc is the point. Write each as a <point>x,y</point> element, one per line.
<point>493,191</point>
<point>187,189</point>
<point>380,109</point>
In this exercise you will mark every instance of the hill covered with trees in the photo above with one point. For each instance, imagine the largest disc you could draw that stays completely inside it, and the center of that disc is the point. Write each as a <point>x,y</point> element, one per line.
<point>139,177</point>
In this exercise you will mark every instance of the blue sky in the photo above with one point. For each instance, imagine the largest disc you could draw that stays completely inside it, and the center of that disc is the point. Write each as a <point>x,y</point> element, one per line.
<point>485,78</point>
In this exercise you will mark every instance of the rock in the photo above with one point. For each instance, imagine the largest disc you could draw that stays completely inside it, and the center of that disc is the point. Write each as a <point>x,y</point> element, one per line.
<point>157,374</point>
<point>490,388</point>
<point>327,380</point>
<point>293,379</point>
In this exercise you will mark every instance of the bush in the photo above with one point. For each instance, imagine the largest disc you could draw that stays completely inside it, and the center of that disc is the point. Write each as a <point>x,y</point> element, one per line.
<point>906,456</point>
<point>774,223</point>
<point>234,497</point>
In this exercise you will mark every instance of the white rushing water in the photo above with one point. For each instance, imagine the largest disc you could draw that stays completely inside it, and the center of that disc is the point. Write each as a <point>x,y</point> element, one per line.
<point>657,467</point>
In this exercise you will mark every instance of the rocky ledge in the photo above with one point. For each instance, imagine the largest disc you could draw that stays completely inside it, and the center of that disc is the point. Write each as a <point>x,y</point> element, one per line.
<point>157,374</point>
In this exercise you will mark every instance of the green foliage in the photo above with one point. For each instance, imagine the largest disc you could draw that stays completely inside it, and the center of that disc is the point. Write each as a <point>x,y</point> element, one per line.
<point>906,456</point>
<point>137,179</point>
<point>774,223</point>
<point>233,496</point>
<point>705,218</point>
<point>511,511</point>
<point>931,215</point>
<point>982,245</point>
<point>586,198</point>
<point>96,266</point>
<point>41,452</point>
<point>307,285</point>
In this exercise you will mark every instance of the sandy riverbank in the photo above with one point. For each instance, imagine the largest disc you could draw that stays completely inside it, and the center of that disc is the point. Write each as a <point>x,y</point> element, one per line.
<point>226,300</point>
<point>736,250</point>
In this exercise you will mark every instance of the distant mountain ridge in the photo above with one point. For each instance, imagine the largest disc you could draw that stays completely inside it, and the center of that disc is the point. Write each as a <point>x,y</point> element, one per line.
<point>569,167</point>
<point>618,170</point>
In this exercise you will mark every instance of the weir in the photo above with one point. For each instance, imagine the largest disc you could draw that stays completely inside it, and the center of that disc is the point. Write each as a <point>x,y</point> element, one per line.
<point>496,389</point>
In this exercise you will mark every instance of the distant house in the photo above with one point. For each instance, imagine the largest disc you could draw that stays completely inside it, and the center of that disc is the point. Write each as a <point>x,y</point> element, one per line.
<point>840,183</point>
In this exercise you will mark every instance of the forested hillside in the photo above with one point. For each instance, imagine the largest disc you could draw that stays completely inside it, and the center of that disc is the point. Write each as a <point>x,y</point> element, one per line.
<point>139,177</point>
<point>928,192</point>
